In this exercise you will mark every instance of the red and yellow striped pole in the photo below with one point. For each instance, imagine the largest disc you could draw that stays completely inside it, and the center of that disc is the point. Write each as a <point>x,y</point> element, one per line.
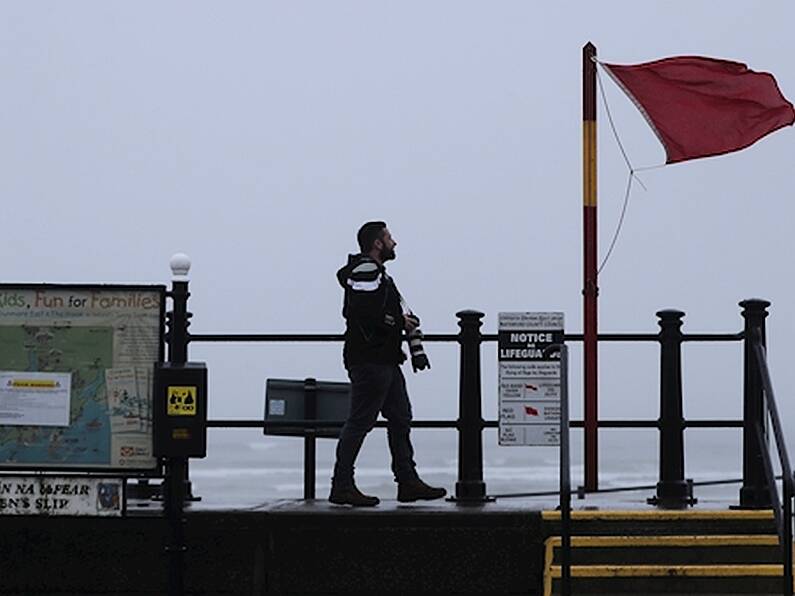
<point>590,290</point>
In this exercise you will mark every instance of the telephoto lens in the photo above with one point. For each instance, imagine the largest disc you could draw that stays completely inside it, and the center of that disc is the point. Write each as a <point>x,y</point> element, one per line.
<point>419,360</point>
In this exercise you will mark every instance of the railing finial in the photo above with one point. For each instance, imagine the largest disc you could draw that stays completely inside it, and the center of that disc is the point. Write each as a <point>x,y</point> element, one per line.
<point>180,266</point>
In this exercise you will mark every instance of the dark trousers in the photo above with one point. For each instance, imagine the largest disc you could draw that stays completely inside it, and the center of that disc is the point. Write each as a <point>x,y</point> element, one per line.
<point>376,388</point>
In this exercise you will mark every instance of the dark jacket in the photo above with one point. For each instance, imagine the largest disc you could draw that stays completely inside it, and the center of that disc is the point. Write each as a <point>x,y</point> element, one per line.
<point>372,311</point>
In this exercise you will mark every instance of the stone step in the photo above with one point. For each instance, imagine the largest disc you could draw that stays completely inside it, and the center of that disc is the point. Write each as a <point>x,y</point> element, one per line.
<point>668,550</point>
<point>674,586</point>
<point>669,579</point>
<point>661,522</point>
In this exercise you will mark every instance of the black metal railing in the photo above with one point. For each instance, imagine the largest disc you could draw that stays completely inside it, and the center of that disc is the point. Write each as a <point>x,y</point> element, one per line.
<point>782,507</point>
<point>673,490</point>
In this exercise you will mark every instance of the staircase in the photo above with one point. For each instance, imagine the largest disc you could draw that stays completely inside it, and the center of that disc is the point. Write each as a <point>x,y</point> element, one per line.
<point>671,552</point>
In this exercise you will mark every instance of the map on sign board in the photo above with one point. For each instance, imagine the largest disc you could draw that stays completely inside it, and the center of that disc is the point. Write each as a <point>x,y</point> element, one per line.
<point>104,340</point>
<point>529,378</point>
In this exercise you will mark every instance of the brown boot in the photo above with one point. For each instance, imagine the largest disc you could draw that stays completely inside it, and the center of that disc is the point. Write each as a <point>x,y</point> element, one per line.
<point>417,490</point>
<point>352,496</point>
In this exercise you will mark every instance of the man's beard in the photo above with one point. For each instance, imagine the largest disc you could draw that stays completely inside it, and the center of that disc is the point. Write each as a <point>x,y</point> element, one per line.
<point>387,254</point>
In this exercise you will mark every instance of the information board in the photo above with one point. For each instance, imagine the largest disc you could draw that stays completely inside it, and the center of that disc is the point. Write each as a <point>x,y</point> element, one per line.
<point>76,364</point>
<point>529,378</point>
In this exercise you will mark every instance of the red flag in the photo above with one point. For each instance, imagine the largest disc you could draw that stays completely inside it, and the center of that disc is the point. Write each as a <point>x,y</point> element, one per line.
<point>703,106</point>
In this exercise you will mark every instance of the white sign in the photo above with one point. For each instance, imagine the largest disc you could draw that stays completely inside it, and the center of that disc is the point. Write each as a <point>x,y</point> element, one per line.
<point>49,495</point>
<point>35,398</point>
<point>529,378</point>
<point>276,407</point>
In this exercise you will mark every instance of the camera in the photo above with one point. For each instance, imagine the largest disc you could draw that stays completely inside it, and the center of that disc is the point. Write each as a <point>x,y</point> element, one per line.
<point>419,359</point>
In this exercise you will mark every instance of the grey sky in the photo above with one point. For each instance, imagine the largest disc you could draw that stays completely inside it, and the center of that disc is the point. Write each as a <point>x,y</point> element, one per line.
<point>257,137</point>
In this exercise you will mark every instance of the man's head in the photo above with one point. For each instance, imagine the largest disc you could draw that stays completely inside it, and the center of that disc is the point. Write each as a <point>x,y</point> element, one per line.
<point>376,241</point>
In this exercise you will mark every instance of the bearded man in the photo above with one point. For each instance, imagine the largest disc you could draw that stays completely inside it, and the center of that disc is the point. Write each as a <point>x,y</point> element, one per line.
<point>375,323</point>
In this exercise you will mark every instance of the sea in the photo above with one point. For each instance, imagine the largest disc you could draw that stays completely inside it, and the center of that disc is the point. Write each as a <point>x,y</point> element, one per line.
<point>246,469</point>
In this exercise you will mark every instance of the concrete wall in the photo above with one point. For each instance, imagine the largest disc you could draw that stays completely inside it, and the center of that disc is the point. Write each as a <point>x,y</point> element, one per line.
<point>287,550</point>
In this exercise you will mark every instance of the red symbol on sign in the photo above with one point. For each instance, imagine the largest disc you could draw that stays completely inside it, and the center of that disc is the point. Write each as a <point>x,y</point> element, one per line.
<point>126,451</point>
<point>530,411</point>
<point>531,387</point>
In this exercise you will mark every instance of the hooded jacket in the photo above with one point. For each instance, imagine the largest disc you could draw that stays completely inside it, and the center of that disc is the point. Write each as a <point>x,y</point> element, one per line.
<point>372,312</point>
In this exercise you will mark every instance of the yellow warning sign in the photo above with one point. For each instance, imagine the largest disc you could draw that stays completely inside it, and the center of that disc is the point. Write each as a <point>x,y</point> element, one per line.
<point>181,401</point>
<point>34,383</point>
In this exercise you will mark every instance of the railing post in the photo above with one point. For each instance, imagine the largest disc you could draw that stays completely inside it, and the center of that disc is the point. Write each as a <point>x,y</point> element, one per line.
<point>310,438</point>
<point>754,493</point>
<point>178,336</point>
<point>673,491</point>
<point>175,482</point>
<point>786,517</point>
<point>173,500</point>
<point>470,487</point>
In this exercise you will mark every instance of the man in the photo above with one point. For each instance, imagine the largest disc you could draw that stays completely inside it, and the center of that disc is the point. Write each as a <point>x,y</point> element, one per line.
<point>375,322</point>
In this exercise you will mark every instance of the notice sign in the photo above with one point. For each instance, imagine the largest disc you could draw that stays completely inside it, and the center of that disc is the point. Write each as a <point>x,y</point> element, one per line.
<point>34,398</point>
<point>529,378</point>
<point>49,495</point>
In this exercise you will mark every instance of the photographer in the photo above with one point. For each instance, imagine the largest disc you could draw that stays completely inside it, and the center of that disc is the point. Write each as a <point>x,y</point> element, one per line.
<point>375,322</point>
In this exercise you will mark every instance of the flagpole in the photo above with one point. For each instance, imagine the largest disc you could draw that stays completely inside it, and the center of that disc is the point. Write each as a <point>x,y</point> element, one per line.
<point>590,290</point>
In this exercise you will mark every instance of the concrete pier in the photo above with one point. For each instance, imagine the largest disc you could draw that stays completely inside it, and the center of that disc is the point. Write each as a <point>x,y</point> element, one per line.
<point>287,547</point>
<point>312,547</point>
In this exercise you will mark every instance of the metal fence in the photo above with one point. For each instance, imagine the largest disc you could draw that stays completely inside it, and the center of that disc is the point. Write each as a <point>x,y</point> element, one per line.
<point>672,490</point>
<point>758,487</point>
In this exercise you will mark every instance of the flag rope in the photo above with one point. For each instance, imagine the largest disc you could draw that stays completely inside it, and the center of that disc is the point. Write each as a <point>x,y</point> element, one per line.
<point>647,168</point>
<point>610,120</point>
<point>632,173</point>
<point>620,224</point>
